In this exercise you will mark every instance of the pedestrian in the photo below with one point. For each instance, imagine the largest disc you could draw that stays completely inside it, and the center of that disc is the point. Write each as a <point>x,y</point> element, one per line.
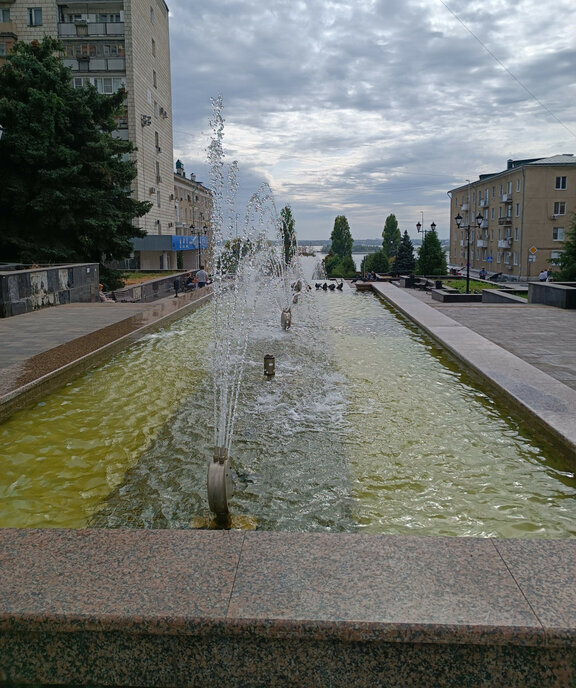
<point>176,285</point>
<point>201,277</point>
<point>483,273</point>
<point>543,276</point>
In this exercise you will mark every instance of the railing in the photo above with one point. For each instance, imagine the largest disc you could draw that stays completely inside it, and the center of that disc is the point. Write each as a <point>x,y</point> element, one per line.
<point>504,220</point>
<point>484,202</point>
<point>482,243</point>
<point>506,198</point>
<point>96,64</point>
<point>68,30</point>
<point>504,243</point>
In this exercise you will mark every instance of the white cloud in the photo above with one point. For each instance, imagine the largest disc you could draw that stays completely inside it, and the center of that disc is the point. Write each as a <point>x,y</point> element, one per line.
<point>369,108</point>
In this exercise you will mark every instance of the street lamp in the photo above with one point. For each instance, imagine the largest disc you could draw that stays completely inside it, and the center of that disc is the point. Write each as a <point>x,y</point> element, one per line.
<point>467,227</point>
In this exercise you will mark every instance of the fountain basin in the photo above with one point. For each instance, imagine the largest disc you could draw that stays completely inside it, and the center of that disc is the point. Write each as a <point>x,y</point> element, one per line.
<point>177,607</point>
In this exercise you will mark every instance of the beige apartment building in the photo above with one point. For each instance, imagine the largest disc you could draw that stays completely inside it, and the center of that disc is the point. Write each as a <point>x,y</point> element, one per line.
<point>517,218</point>
<point>113,44</point>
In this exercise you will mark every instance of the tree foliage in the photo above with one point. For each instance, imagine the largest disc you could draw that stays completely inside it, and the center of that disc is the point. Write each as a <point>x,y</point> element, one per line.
<point>339,262</point>
<point>567,261</point>
<point>65,192</point>
<point>376,262</point>
<point>431,259</point>
<point>341,238</point>
<point>405,263</point>
<point>288,234</point>
<point>391,236</point>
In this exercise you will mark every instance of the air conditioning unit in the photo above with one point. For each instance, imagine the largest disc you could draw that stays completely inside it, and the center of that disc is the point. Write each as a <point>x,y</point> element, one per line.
<point>152,189</point>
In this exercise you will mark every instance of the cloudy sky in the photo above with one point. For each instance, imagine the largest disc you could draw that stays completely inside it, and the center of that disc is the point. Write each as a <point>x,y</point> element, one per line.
<point>364,108</point>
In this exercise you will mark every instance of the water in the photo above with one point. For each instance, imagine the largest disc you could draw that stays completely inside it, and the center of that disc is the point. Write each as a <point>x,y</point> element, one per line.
<point>365,427</point>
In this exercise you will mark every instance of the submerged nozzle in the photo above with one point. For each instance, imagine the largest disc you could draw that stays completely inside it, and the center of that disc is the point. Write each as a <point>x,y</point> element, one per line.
<point>220,485</point>
<point>269,366</point>
<point>286,319</point>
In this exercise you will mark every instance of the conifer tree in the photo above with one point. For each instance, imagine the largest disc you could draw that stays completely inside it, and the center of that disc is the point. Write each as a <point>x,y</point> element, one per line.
<point>431,259</point>
<point>65,191</point>
<point>405,262</point>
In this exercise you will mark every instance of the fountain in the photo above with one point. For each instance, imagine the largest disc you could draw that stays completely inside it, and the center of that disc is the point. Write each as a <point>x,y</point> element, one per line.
<point>247,268</point>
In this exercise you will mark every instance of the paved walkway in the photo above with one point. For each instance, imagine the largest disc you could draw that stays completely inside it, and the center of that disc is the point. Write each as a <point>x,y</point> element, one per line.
<point>543,336</point>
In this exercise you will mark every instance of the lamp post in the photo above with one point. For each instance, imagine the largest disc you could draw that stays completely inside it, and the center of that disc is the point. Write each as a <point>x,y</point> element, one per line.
<point>468,227</point>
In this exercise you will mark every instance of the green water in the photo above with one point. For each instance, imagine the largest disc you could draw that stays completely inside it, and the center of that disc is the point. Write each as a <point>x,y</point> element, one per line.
<point>366,427</point>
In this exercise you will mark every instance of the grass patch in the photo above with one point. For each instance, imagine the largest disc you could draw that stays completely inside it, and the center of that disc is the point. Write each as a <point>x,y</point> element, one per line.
<point>130,278</point>
<point>475,286</point>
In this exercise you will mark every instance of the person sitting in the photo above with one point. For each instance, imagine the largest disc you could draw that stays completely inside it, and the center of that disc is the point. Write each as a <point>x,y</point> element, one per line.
<point>102,296</point>
<point>189,282</point>
<point>483,274</point>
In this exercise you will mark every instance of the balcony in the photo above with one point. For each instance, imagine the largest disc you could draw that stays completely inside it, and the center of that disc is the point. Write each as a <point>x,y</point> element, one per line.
<point>484,224</point>
<point>504,243</point>
<point>506,198</point>
<point>464,207</point>
<point>96,64</point>
<point>8,30</point>
<point>463,242</point>
<point>504,220</point>
<point>93,29</point>
<point>484,202</point>
<point>481,243</point>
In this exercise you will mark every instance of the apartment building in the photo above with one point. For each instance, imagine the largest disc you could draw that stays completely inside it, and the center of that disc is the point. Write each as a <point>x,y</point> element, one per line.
<point>515,220</point>
<point>113,44</point>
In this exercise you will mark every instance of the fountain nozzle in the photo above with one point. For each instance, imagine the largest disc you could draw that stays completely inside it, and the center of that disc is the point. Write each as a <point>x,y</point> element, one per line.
<point>269,366</point>
<point>220,485</point>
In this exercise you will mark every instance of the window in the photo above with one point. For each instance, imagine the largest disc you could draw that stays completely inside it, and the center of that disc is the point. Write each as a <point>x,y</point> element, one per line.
<point>153,47</point>
<point>493,192</point>
<point>518,184</point>
<point>151,15</point>
<point>158,198</point>
<point>4,14</point>
<point>509,188</point>
<point>154,81</point>
<point>3,50</point>
<point>516,233</point>
<point>560,183</point>
<point>559,208</point>
<point>34,16</point>
<point>492,213</point>
<point>515,257</point>
<point>558,233</point>
<point>155,109</point>
<point>517,209</point>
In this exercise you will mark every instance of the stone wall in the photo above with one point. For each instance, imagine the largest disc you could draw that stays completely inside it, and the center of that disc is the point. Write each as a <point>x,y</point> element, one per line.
<point>559,294</point>
<point>22,291</point>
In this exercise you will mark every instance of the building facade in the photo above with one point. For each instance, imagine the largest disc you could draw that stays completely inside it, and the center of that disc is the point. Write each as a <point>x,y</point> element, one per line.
<point>517,218</point>
<point>115,44</point>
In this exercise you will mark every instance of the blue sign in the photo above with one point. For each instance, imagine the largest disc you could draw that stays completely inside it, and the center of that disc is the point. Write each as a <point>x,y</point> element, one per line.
<point>184,243</point>
<point>189,243</point>
<point>489,259</point>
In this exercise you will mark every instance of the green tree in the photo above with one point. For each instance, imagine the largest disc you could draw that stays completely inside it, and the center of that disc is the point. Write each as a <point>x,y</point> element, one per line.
<point>376,262</point>
<point>567,261</point>
<point>405,263</point>
<point>391,236</point>
<point>341,238</point>
<point>65,192</point>
<point>288,234</point>
<point>431,259</point>
<point>339,261</point>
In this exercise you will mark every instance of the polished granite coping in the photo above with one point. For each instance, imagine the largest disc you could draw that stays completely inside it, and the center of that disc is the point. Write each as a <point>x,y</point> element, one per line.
<point>205,608</point>
<point>350,586</point>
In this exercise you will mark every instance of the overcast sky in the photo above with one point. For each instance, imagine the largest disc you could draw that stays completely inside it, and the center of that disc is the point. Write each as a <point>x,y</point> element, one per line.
<point>364,108</point>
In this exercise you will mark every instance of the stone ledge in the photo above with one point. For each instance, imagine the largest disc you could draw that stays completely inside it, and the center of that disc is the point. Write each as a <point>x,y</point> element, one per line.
<point>168,608</point>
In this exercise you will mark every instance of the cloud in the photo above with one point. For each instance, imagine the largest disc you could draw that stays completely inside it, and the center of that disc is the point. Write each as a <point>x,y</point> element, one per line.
<point>369,108</point>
